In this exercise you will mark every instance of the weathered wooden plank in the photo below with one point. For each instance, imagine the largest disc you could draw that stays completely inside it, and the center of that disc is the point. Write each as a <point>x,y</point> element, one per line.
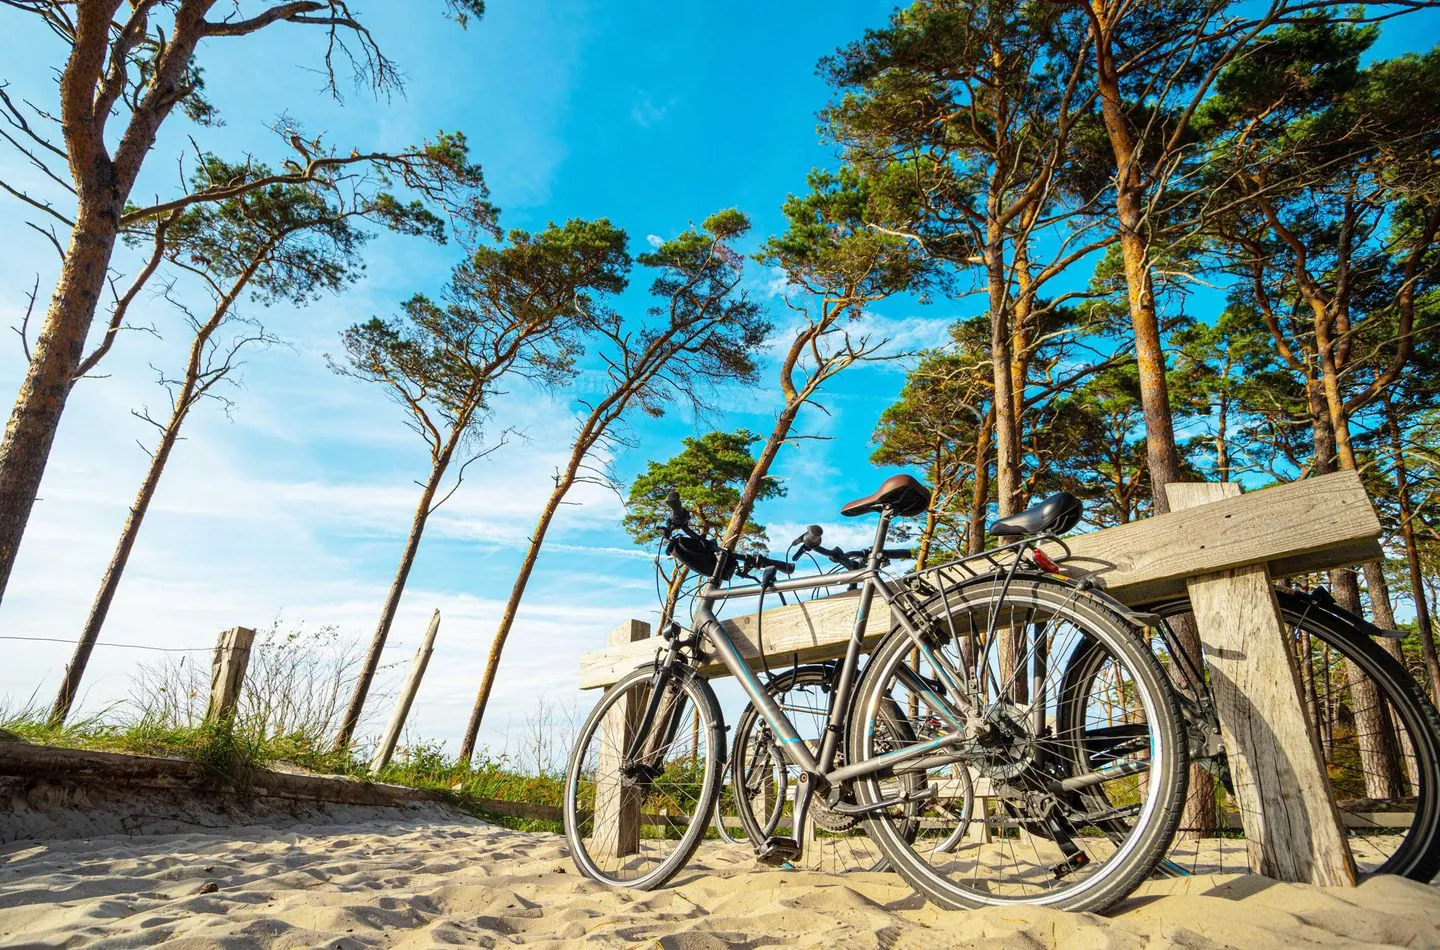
<point>812,630</point>
<point>227,671</point>
<point>1302,527</point>
<point>407,696</point>
<point>1292,828</point>
<point>617,815</point>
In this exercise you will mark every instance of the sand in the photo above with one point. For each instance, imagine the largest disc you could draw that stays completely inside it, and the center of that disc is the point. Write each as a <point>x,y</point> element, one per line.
<point>423,881</point>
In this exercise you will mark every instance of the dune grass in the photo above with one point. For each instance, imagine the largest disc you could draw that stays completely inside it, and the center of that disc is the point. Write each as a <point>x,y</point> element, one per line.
<point>230,753</point>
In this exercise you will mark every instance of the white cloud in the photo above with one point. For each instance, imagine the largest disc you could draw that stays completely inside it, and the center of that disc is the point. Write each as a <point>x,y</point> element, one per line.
<point>654,240</point>
<point>646,111</point>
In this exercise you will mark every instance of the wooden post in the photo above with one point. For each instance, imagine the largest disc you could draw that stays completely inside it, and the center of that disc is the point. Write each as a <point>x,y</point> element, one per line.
<point>617,821</point>
<point>227,671</point>
<point>407,696</point>
<point>1292,828</point>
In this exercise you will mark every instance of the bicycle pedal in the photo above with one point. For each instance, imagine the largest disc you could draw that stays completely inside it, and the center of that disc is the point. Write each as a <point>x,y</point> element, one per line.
<point>1071,864</point>
<point>777,852</point>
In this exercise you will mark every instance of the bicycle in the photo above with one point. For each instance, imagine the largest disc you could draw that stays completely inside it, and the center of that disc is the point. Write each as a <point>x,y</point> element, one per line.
<point>641,783</point>
<point>1382,759</point>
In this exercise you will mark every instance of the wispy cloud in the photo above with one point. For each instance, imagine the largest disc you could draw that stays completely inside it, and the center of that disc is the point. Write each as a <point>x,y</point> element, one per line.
<point>647,112</point>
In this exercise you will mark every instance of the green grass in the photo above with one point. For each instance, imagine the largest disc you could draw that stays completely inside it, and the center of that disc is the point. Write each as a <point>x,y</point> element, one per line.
<point>230,754</point>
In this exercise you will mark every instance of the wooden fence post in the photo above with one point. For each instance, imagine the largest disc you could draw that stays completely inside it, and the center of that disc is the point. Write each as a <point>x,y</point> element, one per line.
<point>1292,828</point>
<point>227,671</point>
<point>617,821</point>
<point>407,696</point>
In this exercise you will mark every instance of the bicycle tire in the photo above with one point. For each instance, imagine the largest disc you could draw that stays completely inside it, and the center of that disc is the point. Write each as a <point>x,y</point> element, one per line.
<point>1161,787</point>
<point>1418,856</point>
<point>687,794</point>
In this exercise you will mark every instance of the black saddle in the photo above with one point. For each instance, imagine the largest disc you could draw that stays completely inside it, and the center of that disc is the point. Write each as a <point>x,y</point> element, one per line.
<point>902,494</point>
<point>1055,515</point>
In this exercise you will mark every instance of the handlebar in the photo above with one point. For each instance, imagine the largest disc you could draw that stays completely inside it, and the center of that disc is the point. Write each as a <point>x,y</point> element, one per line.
<point>679,517</point>
<point>746,563</point>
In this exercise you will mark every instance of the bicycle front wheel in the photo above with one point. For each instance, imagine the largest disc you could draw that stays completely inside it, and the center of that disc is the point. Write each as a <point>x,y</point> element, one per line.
<point>991,674</point>
<point>635,822</point>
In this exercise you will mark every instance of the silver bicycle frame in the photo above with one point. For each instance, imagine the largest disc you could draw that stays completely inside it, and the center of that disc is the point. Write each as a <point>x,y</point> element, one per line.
<point>817,767</point>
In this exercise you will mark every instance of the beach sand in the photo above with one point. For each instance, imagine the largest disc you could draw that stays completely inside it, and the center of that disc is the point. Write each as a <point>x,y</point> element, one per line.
<point>424,880</point>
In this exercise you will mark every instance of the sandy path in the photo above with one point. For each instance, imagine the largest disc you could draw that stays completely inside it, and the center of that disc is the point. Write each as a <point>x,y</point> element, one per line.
<point>423,882</point>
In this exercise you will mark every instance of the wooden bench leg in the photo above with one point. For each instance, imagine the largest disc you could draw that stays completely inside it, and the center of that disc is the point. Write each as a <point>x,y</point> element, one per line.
<point>1292,828</point>
<point>617,820</point>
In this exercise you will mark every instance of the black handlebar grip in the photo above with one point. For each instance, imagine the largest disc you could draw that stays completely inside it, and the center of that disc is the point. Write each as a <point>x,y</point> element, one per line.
<point>678,514</point>
<point>784,567</point>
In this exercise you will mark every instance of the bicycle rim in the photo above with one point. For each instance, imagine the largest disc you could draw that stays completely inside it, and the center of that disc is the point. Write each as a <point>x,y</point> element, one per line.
<point>1379,737</point>
<point>1043,844</point>
<point>637,831</point>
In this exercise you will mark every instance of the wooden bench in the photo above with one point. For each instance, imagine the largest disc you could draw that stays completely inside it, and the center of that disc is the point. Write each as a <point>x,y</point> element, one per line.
<point>1221,548</point>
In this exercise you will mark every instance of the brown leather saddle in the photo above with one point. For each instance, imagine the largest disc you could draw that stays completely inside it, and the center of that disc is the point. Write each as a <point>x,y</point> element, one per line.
<point>903,495</point>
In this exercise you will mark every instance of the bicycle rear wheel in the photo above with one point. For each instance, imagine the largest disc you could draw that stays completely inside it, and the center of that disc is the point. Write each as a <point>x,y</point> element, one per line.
<point>635,824</point>
<point>1379,737</point>
<point>1049,846</point>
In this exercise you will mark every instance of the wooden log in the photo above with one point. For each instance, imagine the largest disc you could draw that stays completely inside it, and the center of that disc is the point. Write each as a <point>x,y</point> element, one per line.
<point>227,671</point>
<point>1292,828</point>
<point>617,816</point>
<point>407,696</point>
<point>1305,526</point>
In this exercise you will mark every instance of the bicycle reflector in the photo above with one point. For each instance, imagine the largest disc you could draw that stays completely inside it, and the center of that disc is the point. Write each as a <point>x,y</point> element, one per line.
<point>699,556</point>
<point>1044,561</point>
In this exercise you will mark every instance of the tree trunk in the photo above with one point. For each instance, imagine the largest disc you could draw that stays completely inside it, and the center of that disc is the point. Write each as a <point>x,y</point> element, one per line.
<point>1423,623</point>
<point>397,590</point>
<point>980,494</point>
<point>34,420</point>
<point>1163,459</point>
<point>110,582</point>
<point>672,594</point>
<point>927,537</point>
<point>1007,463</point>
<point>102,186</point>
<point>1380,606</point>
<point>512,606</point>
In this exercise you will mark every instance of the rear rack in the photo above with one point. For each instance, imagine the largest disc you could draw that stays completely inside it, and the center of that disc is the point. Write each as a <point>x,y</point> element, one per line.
<point>913,590</point>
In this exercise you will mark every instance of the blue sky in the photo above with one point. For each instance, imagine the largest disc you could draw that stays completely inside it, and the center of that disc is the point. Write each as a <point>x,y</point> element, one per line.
<point>295,507</point>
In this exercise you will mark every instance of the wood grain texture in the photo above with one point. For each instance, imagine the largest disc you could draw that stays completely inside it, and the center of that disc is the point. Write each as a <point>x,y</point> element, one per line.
<point>227,671</point>
<point>617,815</point>
<point>1292,828</point>
<point>812,630</point>
<point>1291,528</point>
<point>407,696</point>
<point>1301,527</point>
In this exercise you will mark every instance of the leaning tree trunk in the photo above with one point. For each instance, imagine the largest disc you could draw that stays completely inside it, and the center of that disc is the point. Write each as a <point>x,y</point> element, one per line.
<point>50,376</point>
<point>512,607</point>
<point>397,590</point>
<point>110,582</point>
<point>191,390</point>
<point>102,187</point>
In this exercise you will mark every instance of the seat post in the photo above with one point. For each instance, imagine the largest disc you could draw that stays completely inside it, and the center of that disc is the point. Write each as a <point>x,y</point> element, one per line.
<point>882,531</point>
